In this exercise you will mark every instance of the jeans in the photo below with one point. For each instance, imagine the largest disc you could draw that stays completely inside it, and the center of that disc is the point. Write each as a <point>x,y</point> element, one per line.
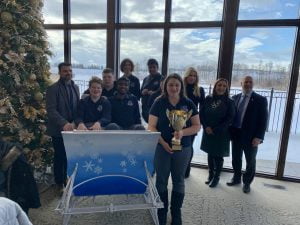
<point>174,164</point>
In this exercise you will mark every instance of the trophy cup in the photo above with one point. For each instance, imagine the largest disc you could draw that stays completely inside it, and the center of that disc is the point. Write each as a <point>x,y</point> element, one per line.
<point>177,120</point>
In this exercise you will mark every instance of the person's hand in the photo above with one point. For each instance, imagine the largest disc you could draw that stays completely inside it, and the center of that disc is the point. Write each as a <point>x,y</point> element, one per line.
<point>68,127</point>
<point>96,126</point>
<point>178,134</point>
<point>145,92</point>
<point>208,130</point>
<point>167,147</point>
<point>256,142</point>
<point>81,126</point>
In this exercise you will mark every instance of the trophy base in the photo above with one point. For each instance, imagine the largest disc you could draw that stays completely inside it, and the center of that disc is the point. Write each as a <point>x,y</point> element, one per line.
<point>176,147</point>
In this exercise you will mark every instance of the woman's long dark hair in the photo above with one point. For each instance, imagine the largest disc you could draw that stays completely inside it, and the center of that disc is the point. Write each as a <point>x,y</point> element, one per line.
<point>227,89</point>
<point>177,77</point>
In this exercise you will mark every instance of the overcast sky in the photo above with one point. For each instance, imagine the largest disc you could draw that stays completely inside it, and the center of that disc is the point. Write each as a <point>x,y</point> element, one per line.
<point>187,46</point>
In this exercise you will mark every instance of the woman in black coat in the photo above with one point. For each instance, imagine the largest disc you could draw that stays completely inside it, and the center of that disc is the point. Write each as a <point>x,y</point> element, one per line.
<point>197,95</point>
<point>216,116</point>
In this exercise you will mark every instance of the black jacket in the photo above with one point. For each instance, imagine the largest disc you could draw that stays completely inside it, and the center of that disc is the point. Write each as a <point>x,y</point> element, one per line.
<point>254,123</point>
<point>20,184</point>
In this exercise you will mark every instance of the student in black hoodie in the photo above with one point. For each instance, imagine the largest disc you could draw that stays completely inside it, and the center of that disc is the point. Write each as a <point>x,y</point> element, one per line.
<point>94,111</point>
<point>154,96</point>
<point>127,67</point>
<point>197,95</point>
<point>125,111</point>
<point>149,86</point>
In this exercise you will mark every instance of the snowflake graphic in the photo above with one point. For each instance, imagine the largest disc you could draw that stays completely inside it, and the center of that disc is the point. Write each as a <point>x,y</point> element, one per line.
<point>98,170</point>
<point>123,163</point>
<point>88,166</point>
<point>100,160</point>
<point>124,170</point>
<point>133,162</point>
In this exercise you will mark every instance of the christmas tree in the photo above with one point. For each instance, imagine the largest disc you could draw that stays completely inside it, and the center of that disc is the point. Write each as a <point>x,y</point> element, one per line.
<point>24,77</point>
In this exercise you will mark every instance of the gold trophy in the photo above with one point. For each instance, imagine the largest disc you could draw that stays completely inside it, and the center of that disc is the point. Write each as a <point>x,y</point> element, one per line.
<point>177,120</point>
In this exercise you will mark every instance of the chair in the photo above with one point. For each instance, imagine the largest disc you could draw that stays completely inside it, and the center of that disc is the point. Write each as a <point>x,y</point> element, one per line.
<point>109,163</point>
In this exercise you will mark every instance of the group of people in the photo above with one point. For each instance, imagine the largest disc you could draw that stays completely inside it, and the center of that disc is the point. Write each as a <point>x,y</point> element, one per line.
<point>110,104</point>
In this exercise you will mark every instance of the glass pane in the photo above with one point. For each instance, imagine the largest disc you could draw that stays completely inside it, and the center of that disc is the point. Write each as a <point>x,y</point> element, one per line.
<point>88,11</point>
<point>198,48</point>
<point>53,11</point>
<point>197,10</point>
<point>139,46</point>
<point>265,54</point>
<point>56,44</point>
<point>88,55</point>
<point>268,9</point>
<point>292,164</point>
<point>137,11</point>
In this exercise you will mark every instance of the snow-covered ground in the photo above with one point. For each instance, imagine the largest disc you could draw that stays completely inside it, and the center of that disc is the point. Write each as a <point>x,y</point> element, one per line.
<point>267,154</point>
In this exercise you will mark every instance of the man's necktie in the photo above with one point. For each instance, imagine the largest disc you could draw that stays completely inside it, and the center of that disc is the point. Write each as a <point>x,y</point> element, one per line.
<point>238,118</point>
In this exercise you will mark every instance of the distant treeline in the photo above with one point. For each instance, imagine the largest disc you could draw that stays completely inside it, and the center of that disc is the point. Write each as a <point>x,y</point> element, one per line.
<point>265,74</point>
<point>82,66</point>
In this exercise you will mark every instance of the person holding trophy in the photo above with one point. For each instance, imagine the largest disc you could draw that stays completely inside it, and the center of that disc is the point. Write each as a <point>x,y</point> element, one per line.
<point>177,118</point>
<point>216,116</point>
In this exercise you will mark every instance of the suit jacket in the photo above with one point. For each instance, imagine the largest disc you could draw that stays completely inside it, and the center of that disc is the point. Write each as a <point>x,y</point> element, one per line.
<point>254,123</point>
<point>58,107</point>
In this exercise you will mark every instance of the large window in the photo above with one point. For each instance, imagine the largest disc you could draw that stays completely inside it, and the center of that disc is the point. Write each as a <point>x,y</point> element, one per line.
<point>56,43</point>
<point>137,11</point>
<point>53,11</point>
<point>139,46</point>
<point>220,38</point>
<point>88,54</point>
<point>198,48</point>
<point>197,10</point>
<point>268,9</point>
<point>265,54</point>
<point>292,164</point>
<point>88,11</point>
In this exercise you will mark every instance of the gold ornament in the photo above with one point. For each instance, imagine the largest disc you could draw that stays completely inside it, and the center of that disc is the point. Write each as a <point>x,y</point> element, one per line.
<point>6,103</point>
<point>32,77</point>
<point>26,151</point>
<point>38,96</point>
<point>6,17</point>
<point>42,112</point>
<point>44,139</point>
<point>5,35</point>
<point>34,3</point>
<point>13,57</point>
<point>30,112</point>
<point>24,25</point>
<point>43,128</point>
<point>25,136</point>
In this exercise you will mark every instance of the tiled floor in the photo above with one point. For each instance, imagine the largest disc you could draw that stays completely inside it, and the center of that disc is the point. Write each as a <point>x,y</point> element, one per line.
<point>270,202</point>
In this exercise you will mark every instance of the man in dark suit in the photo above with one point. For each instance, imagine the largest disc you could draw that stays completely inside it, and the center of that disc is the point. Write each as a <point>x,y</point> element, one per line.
<point>248,131</point>
<point>61,104</point>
